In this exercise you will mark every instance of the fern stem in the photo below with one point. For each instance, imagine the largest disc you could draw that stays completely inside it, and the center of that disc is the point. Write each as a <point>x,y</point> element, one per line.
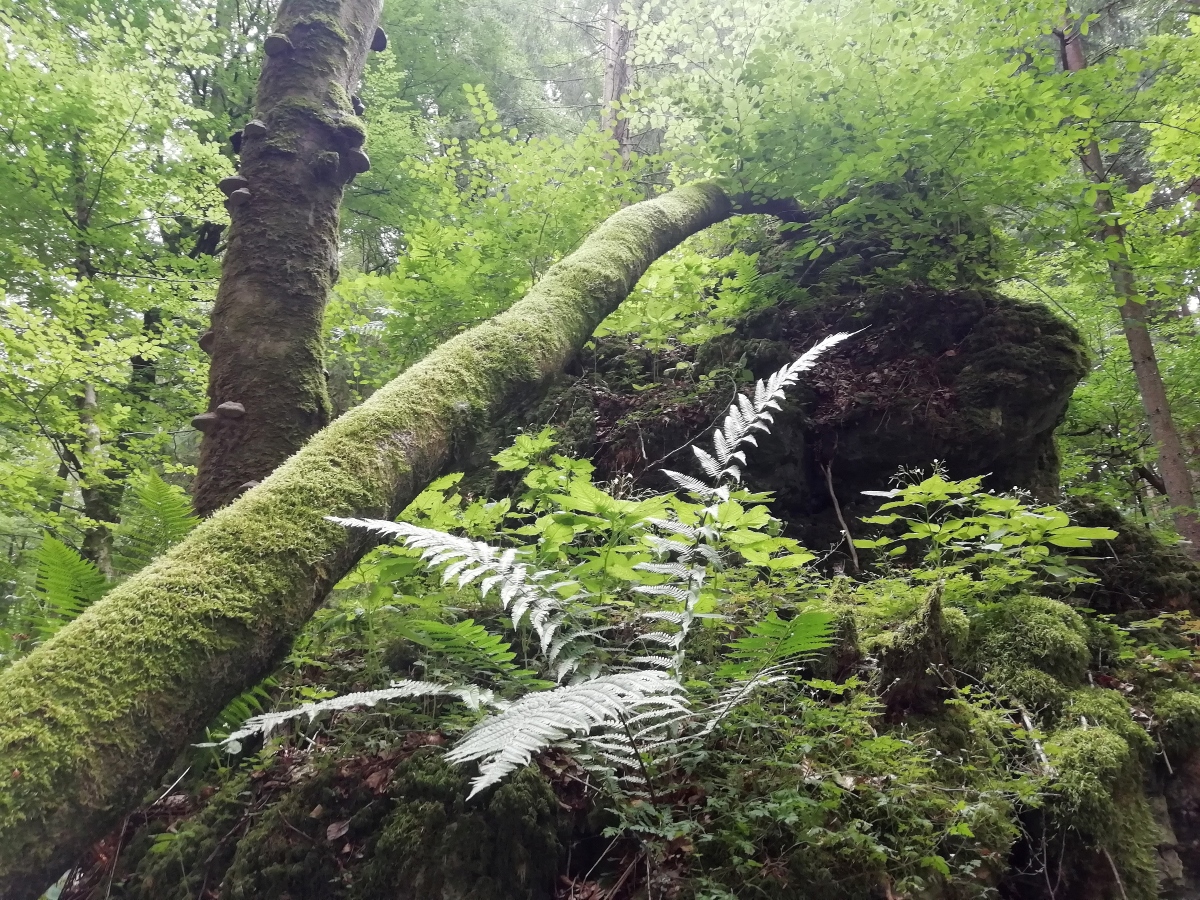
<point>641,761</point>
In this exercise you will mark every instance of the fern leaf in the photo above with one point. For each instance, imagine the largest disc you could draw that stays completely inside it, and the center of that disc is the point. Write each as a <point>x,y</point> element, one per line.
<point>665,590</point>
<point>659,662</point>
<point>773,641</point>
<point>467,560</point>
<point>66,585</point>
<point>688,483</point>
<point>505,742</point>
<point>267,722</point>
<point>155,516</point>
<point>710,465</point>
<point>678,571</point>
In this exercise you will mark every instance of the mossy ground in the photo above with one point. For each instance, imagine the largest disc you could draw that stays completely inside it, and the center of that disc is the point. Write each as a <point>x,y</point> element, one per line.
<point>973,787</point>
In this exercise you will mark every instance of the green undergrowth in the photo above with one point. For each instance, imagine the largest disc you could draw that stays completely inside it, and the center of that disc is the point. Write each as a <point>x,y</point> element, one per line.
<point>970,729</point>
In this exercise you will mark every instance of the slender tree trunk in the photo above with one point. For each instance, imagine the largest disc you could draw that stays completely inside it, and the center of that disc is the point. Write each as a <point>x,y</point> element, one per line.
<point>298,153</point>
<point>92,718</point>
<point>1172,460</point>
<point>101,491</point>
<point>617,78</point>
<point>101,496</point>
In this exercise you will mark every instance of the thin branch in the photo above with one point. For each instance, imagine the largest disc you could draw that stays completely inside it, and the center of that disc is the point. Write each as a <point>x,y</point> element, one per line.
<point>837,508</point>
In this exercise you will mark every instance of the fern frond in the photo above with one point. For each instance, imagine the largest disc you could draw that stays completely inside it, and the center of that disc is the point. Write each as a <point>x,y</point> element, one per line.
<point>521,591</point>
<point>773,641</point>
<point>507,741</point>
<point>683,595</point>
<point>745,416</point>
<point>65,584</point>
<point>738,693</point>
<point>688,483</point>
<point>676,570</point>
<point>266,723</point>
<point>664,615</point>
<point>156,516</point>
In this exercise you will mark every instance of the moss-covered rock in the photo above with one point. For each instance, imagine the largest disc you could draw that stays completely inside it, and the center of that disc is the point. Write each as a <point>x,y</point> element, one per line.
<point>433,844</point>
<point>1033,648</point>
<point>914,670</point>
<point>968,377</point>
<point>1097,805</point>
<point>1109,709</point>
<point>1178,717</point>
<point>176,861</point>
<point>1138,571</point>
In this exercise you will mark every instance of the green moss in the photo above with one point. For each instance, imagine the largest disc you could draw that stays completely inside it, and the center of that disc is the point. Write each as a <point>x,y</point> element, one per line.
<point>1097,797</point>
<point>914,658</point>
<point>1032,688</point>
<point>314,26</point>
<point>956,630</point>
<point>93,717</point>
<point>1028,635</point>
<point>1140,571</point>
<point>292,120</point>
<point>1111,710</point>
<point>435,844</point>
<point>1178,715</point>
<point>177,866</point>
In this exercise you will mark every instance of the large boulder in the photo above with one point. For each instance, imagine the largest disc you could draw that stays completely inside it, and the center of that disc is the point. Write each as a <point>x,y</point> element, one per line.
<point>969,378</point>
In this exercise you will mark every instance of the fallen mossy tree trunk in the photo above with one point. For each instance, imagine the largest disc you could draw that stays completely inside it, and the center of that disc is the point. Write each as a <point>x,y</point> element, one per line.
<point>92,718</point>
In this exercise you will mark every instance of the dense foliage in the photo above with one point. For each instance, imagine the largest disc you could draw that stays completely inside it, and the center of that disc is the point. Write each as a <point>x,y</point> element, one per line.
<point>958,713</point>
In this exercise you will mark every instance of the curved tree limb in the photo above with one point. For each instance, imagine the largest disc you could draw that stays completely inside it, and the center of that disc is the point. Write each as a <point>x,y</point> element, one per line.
<point>91,719</point>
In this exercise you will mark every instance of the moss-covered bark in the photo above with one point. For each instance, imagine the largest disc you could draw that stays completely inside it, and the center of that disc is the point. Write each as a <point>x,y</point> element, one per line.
<point>303,146</point>
<point>94,716</point>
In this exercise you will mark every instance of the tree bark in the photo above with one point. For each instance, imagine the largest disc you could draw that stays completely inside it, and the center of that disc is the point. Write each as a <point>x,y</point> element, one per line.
<point>1172,460</point>
<point>302,147</point>
<point>101,496</point>
<point>92,718</point>
<point>617,76</point>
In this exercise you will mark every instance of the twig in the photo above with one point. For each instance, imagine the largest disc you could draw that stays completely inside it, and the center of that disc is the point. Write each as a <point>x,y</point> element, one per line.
<point>641,762</point>
<point>1037,745</point>
<point>837,508</point>
<point>621,881</point>
<point>1117,875</point>
<point>116,858</point>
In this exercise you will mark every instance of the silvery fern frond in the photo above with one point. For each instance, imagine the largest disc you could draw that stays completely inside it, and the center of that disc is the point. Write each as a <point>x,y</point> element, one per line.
<point>266,723</point>
<point>523,591</point>
<point>746,415</point>
<point>738,693</point>
<point>507,741</point>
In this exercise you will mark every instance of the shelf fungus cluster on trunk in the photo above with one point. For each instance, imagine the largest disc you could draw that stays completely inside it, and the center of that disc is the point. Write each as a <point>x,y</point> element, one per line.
<point>303,143</point>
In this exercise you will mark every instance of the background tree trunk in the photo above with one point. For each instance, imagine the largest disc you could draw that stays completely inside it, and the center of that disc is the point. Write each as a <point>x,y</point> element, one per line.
<point>92,718</point>
<point>1172,460</point>
<point>617,78</point>
<point>297,154</point>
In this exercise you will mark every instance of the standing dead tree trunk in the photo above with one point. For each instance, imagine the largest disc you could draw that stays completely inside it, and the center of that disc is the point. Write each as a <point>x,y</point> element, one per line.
<point>91,719</point>
<point>1172,460</point>
<point>266,388</point>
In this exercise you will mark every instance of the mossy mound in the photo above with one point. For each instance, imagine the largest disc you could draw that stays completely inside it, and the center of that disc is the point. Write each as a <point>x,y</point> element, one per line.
<point>1138,571</point>
<point>389,826</point>
<point>1033,648</point>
